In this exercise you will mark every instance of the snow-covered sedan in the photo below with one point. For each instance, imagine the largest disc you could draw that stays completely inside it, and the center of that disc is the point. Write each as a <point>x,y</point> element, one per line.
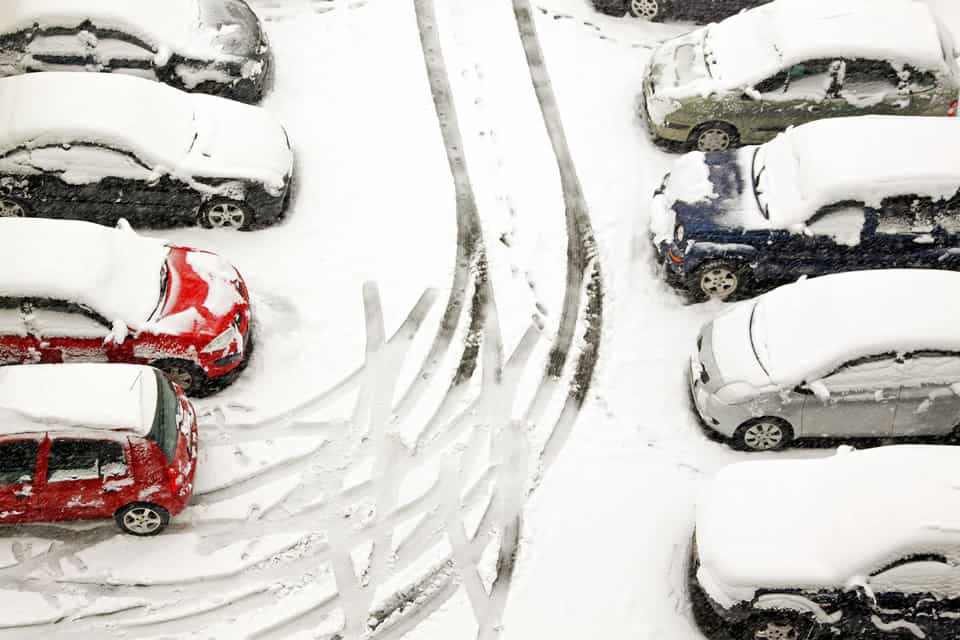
<point>74,291</point>
<point>860,354</point>
<point>208,46</point>
<point>863,544</point>
<point>102,147</point>
<point>752,75</point>
<point>833,195</point>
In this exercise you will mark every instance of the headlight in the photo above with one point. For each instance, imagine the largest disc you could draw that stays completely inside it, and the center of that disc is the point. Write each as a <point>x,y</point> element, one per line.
<point>679,233</point>
<point>222,341</point>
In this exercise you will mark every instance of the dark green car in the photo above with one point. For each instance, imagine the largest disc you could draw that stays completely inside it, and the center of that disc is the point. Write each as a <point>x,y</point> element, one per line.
<point>743,80</point>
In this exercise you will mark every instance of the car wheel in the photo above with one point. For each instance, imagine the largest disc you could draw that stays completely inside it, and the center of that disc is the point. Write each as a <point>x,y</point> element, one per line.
<point>720,280</point>
<point>142,519</point>
<point>646,9</point>
<point>763,434</point>
<point>225,214</point>
<point>189,376</point>
<point>714,136</point>
<point>12,208</point>
<point>777,627</point>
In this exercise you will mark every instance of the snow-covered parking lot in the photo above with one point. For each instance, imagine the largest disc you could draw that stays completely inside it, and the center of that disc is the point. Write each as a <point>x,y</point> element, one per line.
<point>406,454</point>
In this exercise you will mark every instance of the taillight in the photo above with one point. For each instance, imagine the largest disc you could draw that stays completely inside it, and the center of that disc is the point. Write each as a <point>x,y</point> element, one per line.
<point>174,478</point>
<point>952,110</point>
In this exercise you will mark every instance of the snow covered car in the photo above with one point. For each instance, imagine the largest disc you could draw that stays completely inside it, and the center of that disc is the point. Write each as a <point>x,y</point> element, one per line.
<point>862,544</point>
<point>208,46</point>
<point>750,76</point>
<point>698,10</point>
<point>103,146</point>
<point>860,354</point>
<point>833,195</point>
<point>91,441</point>
<point>74,291</point>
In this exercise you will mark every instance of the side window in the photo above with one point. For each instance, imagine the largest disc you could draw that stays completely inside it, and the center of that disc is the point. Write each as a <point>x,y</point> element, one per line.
<point>18,461</point>
<point>867,82</point>
<point>55,319</point>
<point>864,374</point>
<point>74,460</point>
<point>11,321</point>
<point>913,80</point>
<point>113,463</point>
<point>919,574</point>
<point>809,80</point>
<point>905,215</point>
<point>841,222</point>
<point>947,214</point>
<point>66,47</point>
<point>116,51</point>
<point>17,162</point>
<point>87,163</point>
<point>930,367</point>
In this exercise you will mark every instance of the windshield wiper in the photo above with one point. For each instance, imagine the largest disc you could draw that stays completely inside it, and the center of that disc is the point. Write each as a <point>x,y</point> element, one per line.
<point>753,345</point>
<point>164,284</point>
<point>755,179</point>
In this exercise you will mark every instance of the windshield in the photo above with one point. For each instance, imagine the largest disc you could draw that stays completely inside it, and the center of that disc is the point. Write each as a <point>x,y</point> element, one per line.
<point>164,431</point>
<point>236,26</point>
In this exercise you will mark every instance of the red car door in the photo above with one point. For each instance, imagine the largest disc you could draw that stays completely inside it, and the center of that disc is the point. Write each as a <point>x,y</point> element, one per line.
<point>18,469</point>
<point>66,332</point>
<point>74,487</point>
<point>17,345</point>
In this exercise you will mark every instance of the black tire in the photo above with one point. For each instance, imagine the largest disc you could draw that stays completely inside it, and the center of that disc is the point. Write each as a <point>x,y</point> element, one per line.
<point>720,279</point>
<point>763,434</point>
<point>12,207</point>
<point>224,213</point>
<point>776,626</point>
<point>653,10</point>
<point>191,378</point>
<point>142,519</point>
<point>713,136</point>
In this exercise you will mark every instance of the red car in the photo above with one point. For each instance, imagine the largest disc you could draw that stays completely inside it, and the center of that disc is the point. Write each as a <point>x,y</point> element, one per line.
<point>89,441</point>
<point>74,291</point>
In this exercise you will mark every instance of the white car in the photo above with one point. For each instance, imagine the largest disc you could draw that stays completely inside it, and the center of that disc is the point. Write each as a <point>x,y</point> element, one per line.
<point>863,544</point>
<point>858,354</point>
<point>209,46</point>
<point>102,147</point>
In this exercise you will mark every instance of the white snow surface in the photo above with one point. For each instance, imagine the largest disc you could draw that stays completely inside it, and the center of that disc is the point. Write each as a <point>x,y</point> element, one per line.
<point>112,397</point>
<point>827,521</point>
<point>115,272</point>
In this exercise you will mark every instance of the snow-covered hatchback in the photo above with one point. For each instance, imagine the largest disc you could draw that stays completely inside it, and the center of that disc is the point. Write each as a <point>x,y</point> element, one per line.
<point>862,544</point>
<point>104,146</point>
<point>208,46</point>
<point>90,441</point>
<point>859,354</point>
<point>74,291</point>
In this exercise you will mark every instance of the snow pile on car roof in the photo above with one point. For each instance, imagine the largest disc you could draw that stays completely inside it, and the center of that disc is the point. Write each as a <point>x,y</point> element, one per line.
<point>39,397</point>
<point>819,523</point>
<point>805,330</point>
<point>115,272</point>
<point>753,45</point>
<point>148,118</point>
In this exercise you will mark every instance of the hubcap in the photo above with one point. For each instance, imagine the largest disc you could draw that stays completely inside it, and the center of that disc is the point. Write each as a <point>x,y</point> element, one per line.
<point>718,282</point>
<point>10,209</point>
<point>226,216</point>
<point>763,436</point>
<point>645,8</point>
<point>713,140</point>
<point>776,631</point>
<point>181,376</point>
<point>142,520</point>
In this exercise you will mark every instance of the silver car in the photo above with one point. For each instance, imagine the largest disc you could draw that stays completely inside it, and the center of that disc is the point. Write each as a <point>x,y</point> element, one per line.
<point>858,354</point>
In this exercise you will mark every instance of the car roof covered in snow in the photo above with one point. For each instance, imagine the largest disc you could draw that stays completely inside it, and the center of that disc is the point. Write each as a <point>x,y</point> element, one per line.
<point>114,272</point>
<point>863,159</point>
<point>817,523</point>
<point>44,397</point>
<point>805,330</point>
<point>171,23</point>
<point>748,47</point>
<point>150,119</point>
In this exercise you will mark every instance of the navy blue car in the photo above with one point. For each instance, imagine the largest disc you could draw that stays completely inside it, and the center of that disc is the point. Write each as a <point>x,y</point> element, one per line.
<point>833,195</point>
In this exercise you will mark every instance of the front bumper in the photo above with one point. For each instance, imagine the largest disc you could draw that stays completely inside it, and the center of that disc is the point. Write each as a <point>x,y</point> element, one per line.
<point>671,270</point>
<point>668,131</point>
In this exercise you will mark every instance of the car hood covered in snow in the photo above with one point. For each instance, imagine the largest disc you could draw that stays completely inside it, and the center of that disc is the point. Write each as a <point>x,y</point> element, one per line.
<point>821,523</point>
<point>238,141</point>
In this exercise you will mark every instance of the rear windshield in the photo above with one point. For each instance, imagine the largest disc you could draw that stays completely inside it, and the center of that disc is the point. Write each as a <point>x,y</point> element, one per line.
<point>164,431</point>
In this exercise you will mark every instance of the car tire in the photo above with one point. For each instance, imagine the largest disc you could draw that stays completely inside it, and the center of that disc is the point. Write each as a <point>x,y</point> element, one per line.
<point>652,10</point>
<point>191,378</point>
<point>223,213</point>
<point>713,136</point>
<point>776,627</point>
<point>763,434</point>
<point>718,279</point>
<point>142,519</point>
<point>11,207</point>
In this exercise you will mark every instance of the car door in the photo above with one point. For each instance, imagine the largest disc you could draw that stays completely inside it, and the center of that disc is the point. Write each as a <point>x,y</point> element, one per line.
<point>68,332</point>
<point>60,50</point>
<point>17,344</point>
<point>858,399</point>
<point>18,468</point>
<point>904,233</point>
<point>928,403</point>
<point>74,488</point>
<point>829,241</point>
<point>795,95</point>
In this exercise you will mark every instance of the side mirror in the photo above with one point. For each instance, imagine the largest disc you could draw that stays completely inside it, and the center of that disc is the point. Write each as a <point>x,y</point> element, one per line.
<point>862,592</point>
<point>803,389</point>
